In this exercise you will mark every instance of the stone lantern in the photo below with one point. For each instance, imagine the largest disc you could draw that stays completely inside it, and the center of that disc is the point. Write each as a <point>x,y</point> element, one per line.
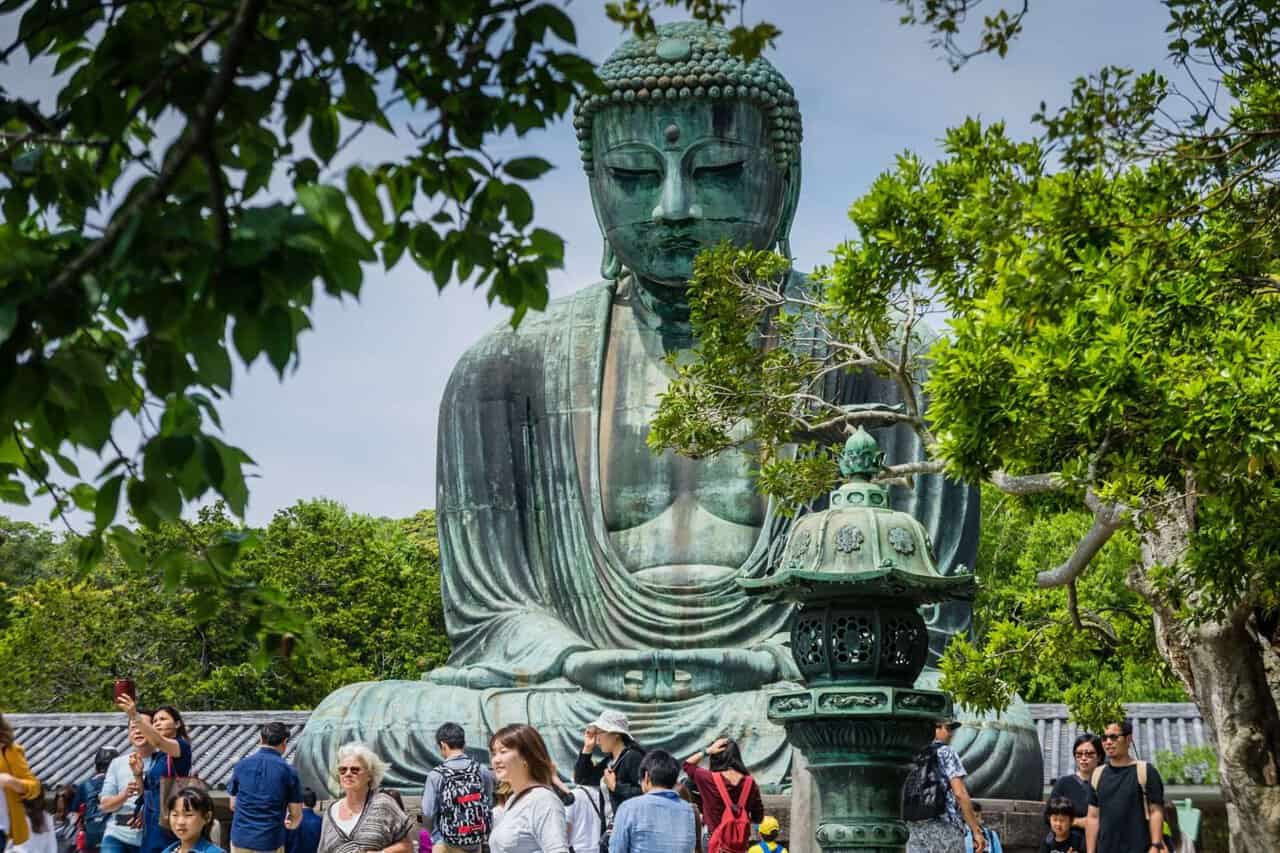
<point>859,572</point>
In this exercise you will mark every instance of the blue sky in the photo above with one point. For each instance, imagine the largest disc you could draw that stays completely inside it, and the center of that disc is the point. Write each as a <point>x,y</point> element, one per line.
<point>357,420</point>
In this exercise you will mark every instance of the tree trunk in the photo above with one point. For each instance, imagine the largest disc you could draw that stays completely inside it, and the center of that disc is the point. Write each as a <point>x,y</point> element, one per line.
<point>1232,671</point>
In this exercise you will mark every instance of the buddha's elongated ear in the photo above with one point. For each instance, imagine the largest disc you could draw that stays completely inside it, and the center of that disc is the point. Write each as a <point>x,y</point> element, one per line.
<point>790,201</point>
<point>610,266</point>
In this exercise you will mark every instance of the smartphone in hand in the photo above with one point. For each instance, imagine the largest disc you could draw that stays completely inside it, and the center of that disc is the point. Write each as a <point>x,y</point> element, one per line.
<point>125,687</point>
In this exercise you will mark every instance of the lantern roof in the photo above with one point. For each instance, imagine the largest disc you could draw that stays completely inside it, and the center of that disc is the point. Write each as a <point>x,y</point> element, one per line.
<point>860,546</point>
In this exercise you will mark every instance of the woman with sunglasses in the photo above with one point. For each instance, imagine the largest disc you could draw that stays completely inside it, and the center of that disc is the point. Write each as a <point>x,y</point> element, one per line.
<point>1077,787</point>
<point>364,819</point>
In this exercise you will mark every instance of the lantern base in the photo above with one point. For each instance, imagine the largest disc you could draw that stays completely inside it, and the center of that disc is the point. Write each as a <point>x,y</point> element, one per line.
<point>859,741</point>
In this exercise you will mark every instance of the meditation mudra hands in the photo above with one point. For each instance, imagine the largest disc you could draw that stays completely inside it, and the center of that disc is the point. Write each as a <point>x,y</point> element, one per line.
<point>662,674</point>
<point>641,674</point>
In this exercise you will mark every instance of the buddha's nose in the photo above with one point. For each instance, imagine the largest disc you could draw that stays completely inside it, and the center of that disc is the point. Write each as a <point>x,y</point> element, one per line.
<point>676,204</point>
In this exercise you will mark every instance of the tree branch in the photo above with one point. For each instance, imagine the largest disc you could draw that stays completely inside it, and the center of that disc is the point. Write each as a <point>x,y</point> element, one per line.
<point>217,200</point>
<point>195,135</point>
<point>1107,519</point>
<point>1027,484</point>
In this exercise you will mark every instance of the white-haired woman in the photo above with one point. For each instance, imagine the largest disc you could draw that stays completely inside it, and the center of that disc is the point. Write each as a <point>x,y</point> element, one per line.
<point>364,820</point>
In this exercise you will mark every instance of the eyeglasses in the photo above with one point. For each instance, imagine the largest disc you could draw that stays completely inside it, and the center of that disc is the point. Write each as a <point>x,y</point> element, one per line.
<point>1086,753</point>
<point>350,771</point>
<point>1112,737</point>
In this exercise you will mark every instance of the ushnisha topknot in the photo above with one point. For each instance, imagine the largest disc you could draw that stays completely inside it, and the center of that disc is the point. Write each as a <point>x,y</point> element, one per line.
<point>691,61</point>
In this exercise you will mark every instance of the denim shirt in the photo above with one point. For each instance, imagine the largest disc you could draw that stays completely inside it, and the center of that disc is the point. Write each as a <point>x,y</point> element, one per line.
<point>656,822</point>
<point>204,845</point>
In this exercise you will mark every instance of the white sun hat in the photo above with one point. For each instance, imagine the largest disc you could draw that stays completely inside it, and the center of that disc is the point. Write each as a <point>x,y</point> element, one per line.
<point>612,721</point>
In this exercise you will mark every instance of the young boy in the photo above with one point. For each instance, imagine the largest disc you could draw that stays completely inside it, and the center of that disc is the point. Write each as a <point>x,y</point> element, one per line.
<point>769,836</point>
<point>1062,838</point>
<point>989,835</point>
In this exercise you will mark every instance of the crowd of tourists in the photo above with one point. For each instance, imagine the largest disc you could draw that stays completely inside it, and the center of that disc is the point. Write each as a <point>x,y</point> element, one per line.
<point>623,799</point>
<point>1113,803</point>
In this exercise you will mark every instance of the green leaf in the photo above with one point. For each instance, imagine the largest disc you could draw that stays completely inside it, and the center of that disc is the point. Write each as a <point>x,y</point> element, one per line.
<point>84,496</point>
<point>549,247</point>
<point>324,134</point>
<point>526,168</point>
<point>164,499</point>
<point>277,336</point>
<point>213,362</point>
<point>13,492</point>
<point>519,205</point>
<point>326,205</point>
<point>365,192</point>
<point>172,565</point>
<point>89,551</point>
<point>107,502</point>
<point>130,547</point>
<point>246,337</point>
<point>10,452</point>
<point>360,98</point>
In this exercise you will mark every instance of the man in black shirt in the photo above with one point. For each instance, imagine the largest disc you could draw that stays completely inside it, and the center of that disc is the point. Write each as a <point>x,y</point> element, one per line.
<point>1125,816</point>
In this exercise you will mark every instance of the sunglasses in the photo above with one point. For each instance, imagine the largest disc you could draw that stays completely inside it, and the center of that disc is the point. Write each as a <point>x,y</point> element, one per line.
<point>1086,753</point>
<point>1112,737</point>
<point>350,771</point>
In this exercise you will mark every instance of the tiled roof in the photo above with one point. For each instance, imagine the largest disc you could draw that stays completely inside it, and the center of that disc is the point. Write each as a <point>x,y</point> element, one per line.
<point>60,747</point>
<point>1156,727</point>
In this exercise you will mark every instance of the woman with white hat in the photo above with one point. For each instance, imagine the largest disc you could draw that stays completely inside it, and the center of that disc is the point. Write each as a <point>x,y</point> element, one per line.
<point>620,770</point>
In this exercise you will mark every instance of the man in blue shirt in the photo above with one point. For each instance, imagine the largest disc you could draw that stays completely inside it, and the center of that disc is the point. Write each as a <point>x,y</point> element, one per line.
<point>266,795</point>
<point>657,821</point>
<point>305,837</point>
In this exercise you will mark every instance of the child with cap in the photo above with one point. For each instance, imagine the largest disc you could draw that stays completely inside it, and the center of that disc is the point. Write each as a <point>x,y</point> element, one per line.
<point>769,836</point>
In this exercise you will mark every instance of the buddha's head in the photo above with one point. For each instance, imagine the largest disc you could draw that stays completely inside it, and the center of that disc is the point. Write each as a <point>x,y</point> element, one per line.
<point>689,147</point>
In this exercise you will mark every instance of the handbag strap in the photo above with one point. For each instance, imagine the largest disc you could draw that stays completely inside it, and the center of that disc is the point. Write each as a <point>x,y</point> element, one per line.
<point>169,770</point>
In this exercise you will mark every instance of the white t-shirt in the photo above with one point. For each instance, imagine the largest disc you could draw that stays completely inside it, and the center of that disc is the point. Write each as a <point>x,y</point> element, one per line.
<point>39,842</point>
<point>584,820</point>
<point>345,824</point>
<point>534,823</point>
<point>117,780</point>
<point>4,814</point>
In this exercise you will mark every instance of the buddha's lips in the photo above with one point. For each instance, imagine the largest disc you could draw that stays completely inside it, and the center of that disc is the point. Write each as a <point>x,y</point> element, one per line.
<point>678,243</point>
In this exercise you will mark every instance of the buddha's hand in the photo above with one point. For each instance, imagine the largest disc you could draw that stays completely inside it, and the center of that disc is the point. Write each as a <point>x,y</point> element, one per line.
<point>473,677</point>
<point>660,674</point>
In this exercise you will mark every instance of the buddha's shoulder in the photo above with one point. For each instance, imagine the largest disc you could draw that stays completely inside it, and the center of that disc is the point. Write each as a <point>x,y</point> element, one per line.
<point>580,314</point>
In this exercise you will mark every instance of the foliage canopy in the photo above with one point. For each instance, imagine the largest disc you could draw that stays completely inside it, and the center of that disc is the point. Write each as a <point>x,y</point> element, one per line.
<point>367,590</point>
<point>1109,288</point>
<point>185,197</point>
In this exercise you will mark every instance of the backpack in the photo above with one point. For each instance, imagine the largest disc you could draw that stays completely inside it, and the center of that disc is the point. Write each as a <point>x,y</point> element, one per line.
<point>464,816</point>
<point>733,835</point>
<point>92,818</point>
<point>924,794</point>
<point>1142,784</point>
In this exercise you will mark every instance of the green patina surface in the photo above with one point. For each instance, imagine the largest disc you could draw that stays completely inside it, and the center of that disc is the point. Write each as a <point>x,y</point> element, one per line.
<point>580,570</point>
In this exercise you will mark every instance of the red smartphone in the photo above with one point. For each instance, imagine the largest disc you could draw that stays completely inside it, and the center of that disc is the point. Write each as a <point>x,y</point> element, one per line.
<point>125,687</point>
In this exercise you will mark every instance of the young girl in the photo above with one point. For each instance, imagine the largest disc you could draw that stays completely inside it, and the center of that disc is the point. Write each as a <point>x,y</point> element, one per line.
<point>42,838</point>
<point>190,816</point>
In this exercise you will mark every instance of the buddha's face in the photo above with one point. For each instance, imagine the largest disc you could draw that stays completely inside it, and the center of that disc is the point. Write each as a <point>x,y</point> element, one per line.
<point>674,178</point>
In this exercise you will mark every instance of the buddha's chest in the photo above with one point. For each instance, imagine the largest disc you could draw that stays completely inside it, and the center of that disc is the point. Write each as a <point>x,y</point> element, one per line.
<point>638,485</point>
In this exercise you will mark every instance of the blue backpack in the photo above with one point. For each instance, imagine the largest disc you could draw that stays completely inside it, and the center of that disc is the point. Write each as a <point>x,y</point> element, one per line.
<point>92,818</point>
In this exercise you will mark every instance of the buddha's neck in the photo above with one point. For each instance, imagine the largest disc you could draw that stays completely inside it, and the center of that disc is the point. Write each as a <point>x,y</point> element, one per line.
<point>663,309</point>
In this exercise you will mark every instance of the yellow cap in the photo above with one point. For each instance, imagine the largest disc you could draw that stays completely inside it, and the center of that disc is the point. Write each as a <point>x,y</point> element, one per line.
<point>768,825</point>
